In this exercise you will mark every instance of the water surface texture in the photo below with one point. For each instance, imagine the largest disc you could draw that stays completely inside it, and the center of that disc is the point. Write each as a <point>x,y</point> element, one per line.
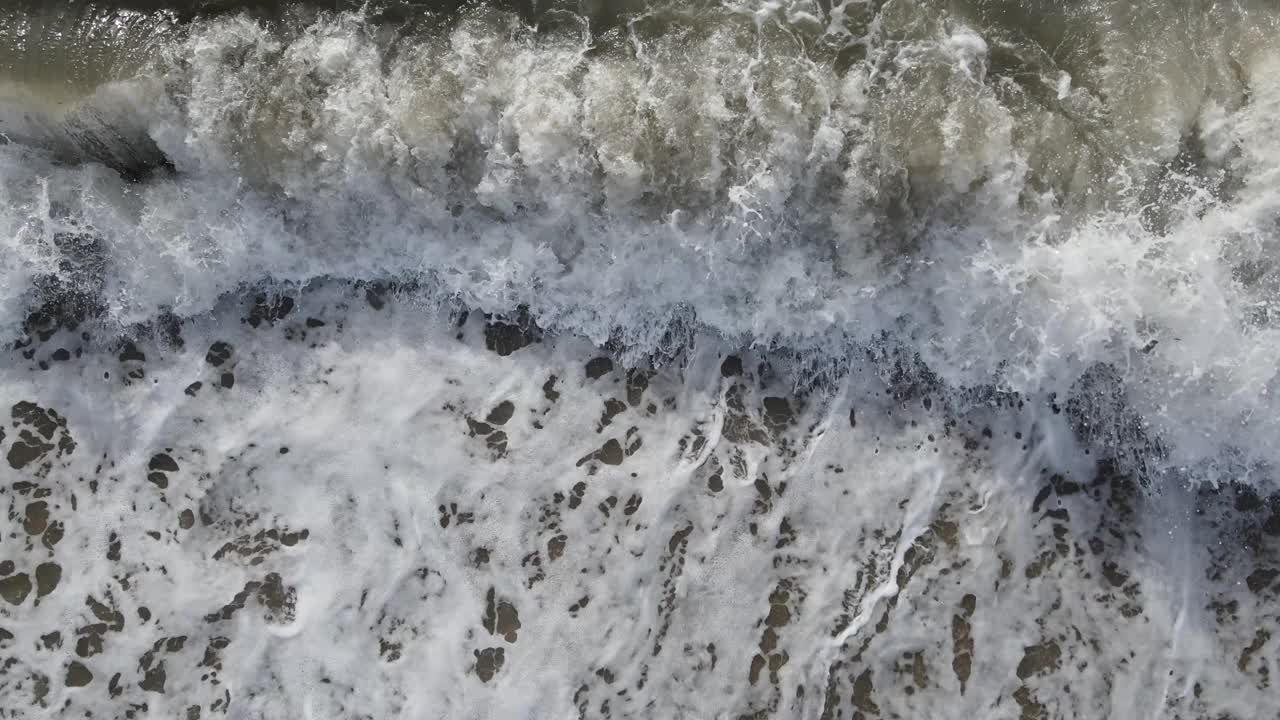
<point>639,359</point>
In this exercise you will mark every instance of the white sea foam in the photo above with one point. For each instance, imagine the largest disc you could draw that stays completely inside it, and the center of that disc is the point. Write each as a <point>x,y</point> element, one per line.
<point>733,531</point>
<point>1028,250</point>
<point>722,175</point>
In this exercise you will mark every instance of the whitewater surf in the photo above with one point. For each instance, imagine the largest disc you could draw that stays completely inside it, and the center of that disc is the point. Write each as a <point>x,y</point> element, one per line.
<point>639,359</point>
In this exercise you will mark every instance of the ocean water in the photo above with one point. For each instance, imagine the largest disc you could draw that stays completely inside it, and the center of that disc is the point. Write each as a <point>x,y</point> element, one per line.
<point>639,359</point>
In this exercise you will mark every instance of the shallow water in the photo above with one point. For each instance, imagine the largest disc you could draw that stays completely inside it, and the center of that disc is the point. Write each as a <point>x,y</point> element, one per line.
<point>903,359</point>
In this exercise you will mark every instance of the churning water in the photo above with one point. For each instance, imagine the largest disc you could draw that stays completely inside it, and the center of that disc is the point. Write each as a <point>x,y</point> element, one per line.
<point>640,358</point>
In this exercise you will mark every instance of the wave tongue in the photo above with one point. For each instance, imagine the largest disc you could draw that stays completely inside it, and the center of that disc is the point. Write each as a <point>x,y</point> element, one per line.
<point>58,63</point>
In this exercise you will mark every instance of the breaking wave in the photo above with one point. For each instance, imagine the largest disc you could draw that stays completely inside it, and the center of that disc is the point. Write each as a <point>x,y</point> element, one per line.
<point>1078,203</point>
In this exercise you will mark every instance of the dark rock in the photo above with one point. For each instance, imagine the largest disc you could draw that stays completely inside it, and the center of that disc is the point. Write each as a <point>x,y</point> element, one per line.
<point>163,462</point>
<point>500,414</point>
<point>266,310</point>
<point>599,367</point>
<point>507,336</point>
<point>15,588</point>
<point>48,575</point>
<point>130,351</point>
<point>489,662</point>
<point>731,367</point>
<point>78,675</point>
<point>219,352</point>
